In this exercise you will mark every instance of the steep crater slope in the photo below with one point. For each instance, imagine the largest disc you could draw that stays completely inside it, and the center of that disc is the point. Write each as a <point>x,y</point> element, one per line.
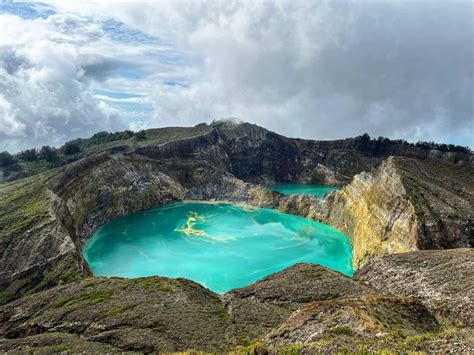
<point>403,205</point>
<point>64,208</point>
<point>254,154</point>
<point>49,216</point>
<point>36,252</point>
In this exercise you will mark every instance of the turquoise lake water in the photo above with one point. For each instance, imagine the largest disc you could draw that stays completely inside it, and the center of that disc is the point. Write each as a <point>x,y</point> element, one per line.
<point>220,246</point>
<point>305,189</point>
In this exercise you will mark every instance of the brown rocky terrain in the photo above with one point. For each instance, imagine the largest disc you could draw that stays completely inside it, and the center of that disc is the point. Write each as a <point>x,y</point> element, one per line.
<point>304,307</point>
<point>148,314</point>
<point>263,305</point>
<point>404,204</point>
<point>440,279</point>
<point>416,199</point>
<point>358,317</point>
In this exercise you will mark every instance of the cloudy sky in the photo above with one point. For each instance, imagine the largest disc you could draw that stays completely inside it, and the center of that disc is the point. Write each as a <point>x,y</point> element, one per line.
<point>310,69</point>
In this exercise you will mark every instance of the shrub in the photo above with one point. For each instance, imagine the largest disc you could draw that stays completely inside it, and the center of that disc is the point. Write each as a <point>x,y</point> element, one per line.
<point>6,159</point>
<point>47,153</point>
<point>341,330</point>
<point>71,148</point>
<point>140,135</point>
<point>28,155</point>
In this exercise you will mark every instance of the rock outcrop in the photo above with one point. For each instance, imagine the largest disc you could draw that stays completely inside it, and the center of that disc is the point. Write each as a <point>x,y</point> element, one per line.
<point>443,198</point>
<point>303,308</point>
<point>258,308</point>
<point>147,315</point>
<point>36,252</point>
<point>441,279</point>
<point>375,211</point>
<point>403,205</point>
<point>370,316</point>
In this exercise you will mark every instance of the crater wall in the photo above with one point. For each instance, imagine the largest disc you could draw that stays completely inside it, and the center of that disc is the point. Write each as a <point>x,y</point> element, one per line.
<point>400,206</point>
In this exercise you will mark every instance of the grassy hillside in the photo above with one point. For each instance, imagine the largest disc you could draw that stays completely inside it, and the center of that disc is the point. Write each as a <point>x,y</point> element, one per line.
<point>23,203</point>
<point>19,167</point>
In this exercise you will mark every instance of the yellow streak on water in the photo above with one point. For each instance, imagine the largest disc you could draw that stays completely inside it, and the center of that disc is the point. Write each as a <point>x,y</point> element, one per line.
<point>188,229</point>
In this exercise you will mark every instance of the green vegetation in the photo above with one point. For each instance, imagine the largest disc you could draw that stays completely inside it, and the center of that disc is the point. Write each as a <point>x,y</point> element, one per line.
<point>397,333</point>
<point>6,159</point>
<point>292,349</point>
<point>157,283</point>
<point>64,271</point>
<point>252,349</point>
<point>22,204</point>
<point>48,153</point>
<point>28,155</point>
<point>168,134</point>
<point>9,164</point>
<point>384,141</point>
<point>341,330</point>
<point>33,161</point>
<point>63,347</point>
<point>259,348</point>
<point>71,148</point>
<point>92,297</point>
<point>396,342</point>
<point>120,310</point>
<point>141,135</point>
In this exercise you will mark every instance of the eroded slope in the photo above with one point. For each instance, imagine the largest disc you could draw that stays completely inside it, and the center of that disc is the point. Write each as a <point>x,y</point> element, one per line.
<point>441,279</point>
<point>305,307</point>
<point>403,205</point>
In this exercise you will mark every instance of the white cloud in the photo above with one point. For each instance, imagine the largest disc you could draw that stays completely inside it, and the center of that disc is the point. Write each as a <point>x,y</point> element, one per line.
<point>47,96</point>
<point>10,125</point>
<point>310,69</point>
<point>319,69</point>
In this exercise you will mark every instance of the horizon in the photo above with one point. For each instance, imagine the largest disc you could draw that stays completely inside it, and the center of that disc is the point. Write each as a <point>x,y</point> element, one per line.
<point>311,70</point>
<point>236,121</point>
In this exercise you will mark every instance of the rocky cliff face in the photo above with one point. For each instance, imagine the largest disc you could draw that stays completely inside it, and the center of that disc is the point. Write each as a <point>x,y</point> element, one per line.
<point>403,205</point>
<point>375,211</point>
<point>254,154</point>
<point>361,317</point>
<point>36,252</point>
<point>65,207</point>
<point>443,198</point>
<point>258,308</point>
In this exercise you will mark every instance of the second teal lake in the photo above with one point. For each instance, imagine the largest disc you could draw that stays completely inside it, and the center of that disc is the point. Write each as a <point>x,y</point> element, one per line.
<point>305,189</point>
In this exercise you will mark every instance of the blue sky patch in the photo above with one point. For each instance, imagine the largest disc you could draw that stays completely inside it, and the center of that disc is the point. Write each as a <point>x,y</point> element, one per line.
<point>131,106</point>
<point>26,10</point>
<point>176,83</point>
<point>119,32</point>
<point>115,94</point>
